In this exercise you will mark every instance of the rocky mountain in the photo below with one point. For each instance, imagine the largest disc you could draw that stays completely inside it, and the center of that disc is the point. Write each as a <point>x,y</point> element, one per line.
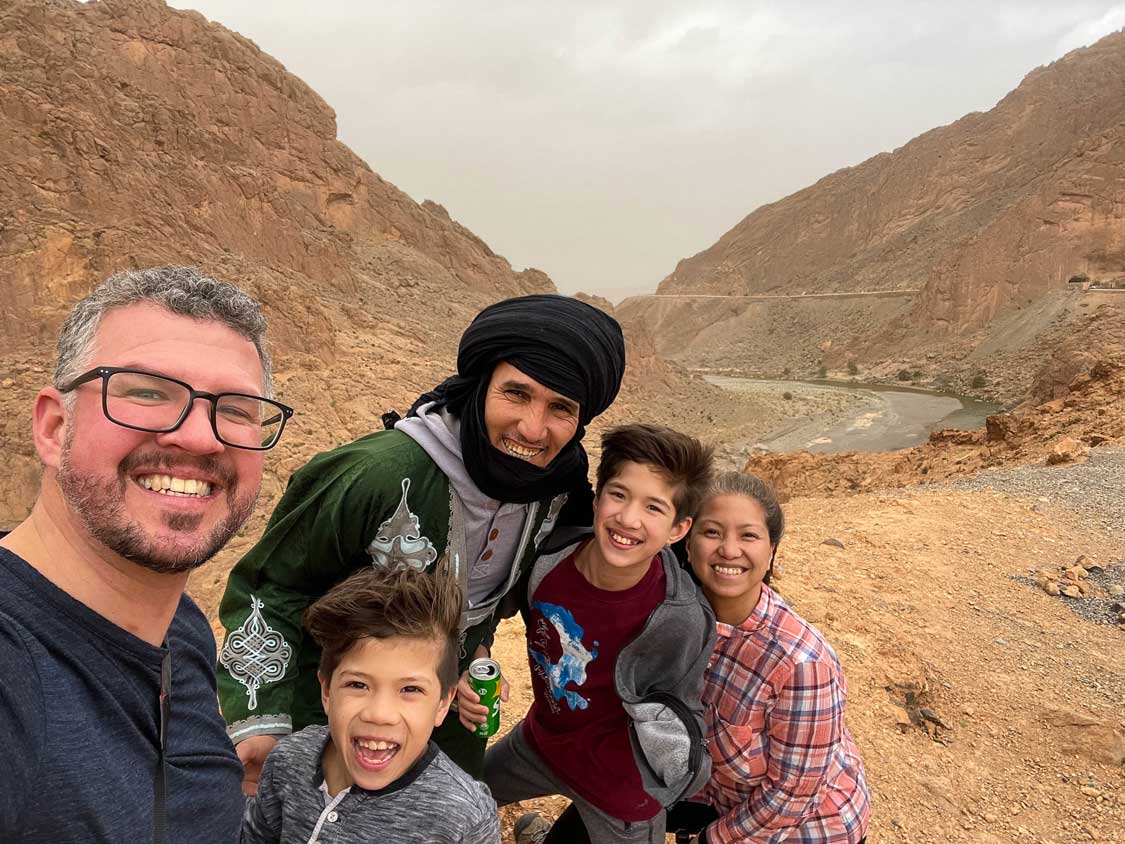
<point>135,135</point>
<point>984,218</point>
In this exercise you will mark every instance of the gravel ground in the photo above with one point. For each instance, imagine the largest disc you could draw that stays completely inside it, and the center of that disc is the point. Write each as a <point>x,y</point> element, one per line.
<point>1095,490</point>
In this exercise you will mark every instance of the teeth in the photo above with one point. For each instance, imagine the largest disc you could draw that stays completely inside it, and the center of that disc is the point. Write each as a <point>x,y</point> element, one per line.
<point>623,540</point>
<point>727,570</point>
<point>181,487</point>
<point>519,450</point>
<point>376,745</point>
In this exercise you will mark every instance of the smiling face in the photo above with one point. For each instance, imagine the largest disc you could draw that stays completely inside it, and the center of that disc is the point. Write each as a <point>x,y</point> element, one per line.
<point>634,517</point>
<point>165,501</point>
<point>729,550</point>
<point>383,701</point>
<point>525,419</point>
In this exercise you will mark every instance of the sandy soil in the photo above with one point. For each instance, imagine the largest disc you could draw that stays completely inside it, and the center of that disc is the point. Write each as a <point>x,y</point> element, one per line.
<point>930,595</point>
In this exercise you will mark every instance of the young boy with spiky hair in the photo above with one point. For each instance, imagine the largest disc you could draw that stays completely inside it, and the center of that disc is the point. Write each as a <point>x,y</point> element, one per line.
<point>388,669</point>
<point>618,639</point>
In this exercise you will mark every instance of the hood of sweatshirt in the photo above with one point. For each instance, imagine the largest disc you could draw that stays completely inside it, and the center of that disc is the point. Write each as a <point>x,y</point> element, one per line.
<point>439,435</point>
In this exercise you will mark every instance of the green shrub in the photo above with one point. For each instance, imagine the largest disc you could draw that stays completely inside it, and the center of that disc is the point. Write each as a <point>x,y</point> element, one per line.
<point>979,381</point>
<point>822,372</point>
<point>852,368</point>
<point>903,375</point>
<point>788,396</point>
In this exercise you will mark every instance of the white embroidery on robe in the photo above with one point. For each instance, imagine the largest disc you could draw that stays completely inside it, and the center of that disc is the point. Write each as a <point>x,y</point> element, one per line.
<point>399,542</point>
<point>255,653</point>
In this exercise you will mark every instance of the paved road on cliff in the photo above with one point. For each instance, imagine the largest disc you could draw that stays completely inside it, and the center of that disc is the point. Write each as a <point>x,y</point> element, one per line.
<point>855,294</point>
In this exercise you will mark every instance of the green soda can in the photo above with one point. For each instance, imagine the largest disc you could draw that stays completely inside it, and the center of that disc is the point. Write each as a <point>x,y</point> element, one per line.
<point>484,678</point>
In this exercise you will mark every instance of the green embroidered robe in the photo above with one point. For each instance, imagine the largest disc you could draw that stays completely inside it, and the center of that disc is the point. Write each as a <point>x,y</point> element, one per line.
<point>379,500</point>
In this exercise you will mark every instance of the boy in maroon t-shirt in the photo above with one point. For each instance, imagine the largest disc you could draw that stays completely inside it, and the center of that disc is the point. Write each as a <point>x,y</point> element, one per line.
<point>618,640</point>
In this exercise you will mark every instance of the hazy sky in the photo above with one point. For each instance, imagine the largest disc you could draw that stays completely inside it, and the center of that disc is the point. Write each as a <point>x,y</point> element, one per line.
<point>603,141</point>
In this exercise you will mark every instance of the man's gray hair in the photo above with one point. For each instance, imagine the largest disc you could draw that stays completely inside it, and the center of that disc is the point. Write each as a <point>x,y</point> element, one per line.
<point>182,290</point>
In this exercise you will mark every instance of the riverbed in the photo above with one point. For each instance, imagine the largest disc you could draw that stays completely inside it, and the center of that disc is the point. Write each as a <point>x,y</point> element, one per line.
<point>863,417</point>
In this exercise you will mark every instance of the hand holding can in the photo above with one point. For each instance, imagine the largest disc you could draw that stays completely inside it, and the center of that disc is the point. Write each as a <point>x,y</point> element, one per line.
<point>486,683</point>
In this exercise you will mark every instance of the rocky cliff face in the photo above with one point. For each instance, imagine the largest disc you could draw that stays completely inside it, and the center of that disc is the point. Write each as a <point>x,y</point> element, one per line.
<point>135,135</point>
<point>983,217</point>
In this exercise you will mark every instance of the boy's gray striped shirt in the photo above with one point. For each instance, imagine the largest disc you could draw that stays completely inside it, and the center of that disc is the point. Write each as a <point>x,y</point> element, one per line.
<point>433,803</point>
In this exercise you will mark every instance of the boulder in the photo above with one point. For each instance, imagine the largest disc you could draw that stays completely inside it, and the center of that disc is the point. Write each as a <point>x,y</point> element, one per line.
<point>1065,450</point>
<point>998,427</point>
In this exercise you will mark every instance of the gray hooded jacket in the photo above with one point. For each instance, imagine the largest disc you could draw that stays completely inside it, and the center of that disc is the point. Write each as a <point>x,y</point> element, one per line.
<point>659,678</point>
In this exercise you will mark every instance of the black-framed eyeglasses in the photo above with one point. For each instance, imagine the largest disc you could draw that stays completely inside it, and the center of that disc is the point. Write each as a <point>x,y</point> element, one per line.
<point>145,401</point>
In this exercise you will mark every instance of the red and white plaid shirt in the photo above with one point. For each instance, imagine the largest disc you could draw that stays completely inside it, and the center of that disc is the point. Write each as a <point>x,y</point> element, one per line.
<point>785,767</point>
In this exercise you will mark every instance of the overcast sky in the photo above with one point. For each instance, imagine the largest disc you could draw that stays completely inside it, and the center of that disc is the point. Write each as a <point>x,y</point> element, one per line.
<point>603,141</point>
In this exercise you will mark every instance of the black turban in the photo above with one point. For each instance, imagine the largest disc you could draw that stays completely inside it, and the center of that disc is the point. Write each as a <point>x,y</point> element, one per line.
<point>564,344</point>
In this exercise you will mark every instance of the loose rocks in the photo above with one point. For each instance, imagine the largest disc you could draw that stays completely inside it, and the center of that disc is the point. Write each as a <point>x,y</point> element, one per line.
<point>1095,590</point>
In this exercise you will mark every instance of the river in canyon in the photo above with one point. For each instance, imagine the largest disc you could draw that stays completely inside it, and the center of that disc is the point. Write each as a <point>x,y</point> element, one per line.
<point>882,417</point>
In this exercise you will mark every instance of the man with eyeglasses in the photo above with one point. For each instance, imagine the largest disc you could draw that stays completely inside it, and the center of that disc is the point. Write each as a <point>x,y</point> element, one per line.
<point>475,477</point>
<point>152,440</point>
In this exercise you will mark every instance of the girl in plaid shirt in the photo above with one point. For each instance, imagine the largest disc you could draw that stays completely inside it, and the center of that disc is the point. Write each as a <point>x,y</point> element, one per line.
<point>785,767</point>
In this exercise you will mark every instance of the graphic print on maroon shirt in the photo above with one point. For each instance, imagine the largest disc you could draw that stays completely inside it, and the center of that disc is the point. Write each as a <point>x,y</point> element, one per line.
<point>577,724</point>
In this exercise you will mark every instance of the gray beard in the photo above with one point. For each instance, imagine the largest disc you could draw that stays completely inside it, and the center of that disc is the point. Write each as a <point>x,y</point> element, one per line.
<point>100,507</point>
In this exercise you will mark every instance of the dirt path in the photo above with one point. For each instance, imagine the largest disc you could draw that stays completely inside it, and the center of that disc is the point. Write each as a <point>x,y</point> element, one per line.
<point>930,595</point>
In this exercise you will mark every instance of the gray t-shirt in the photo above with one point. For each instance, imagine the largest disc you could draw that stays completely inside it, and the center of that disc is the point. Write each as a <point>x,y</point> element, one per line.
<point>435,802</point>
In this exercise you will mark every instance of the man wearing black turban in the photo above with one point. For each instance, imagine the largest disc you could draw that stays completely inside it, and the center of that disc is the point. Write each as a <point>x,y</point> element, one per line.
<point>473,479</point>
